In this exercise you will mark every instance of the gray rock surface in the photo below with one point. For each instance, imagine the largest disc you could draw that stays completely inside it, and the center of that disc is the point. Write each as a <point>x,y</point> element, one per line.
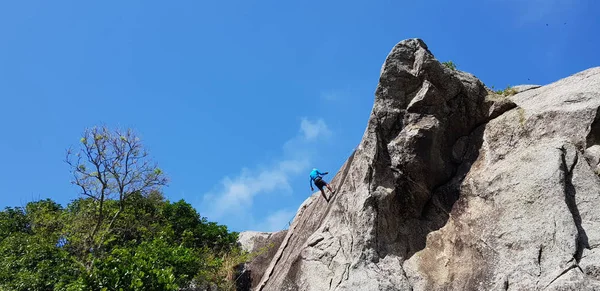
<point>454,189</point>
<point>263,246</point>
<point>251,240</point>
<point>523,88</point>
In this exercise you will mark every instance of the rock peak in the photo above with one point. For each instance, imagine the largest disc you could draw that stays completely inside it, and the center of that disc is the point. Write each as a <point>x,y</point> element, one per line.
<point>453,187</point>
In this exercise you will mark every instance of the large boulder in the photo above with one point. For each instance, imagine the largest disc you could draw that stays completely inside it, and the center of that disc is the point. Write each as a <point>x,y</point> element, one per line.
<point>454,187</point>
<point>262,246</point>
<point>526,216</point>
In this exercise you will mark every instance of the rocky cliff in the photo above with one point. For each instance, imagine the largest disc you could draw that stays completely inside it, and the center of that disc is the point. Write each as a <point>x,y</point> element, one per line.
<point>454,187</point>
<point>263,246</point>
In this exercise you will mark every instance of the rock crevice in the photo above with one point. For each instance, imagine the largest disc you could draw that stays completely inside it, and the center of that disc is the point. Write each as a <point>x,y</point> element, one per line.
<point>567,168</point>
<point>453,187</point>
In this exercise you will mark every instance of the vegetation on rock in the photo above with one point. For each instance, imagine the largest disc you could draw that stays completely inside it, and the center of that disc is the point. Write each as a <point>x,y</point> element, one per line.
<point>508,91</point>
<point>450,65</point>
<point>122,234</point>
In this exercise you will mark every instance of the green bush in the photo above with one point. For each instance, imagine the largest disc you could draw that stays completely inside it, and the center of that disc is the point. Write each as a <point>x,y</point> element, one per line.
<point>155,245</point>
<point>123,235</point>
<point>450,65</point>
<point>508,91</point>
<point>32,262</point>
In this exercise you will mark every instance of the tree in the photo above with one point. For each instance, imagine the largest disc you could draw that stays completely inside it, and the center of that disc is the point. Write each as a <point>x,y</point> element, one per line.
<point>121,234</point>
<point>29,256</point>
<point>193,230</point>
<point>111,164</point>
<point>154,244</point>
<point>13,220</point>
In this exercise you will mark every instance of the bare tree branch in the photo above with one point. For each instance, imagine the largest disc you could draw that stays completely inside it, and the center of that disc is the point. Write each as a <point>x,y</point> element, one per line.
<point>111,163</point>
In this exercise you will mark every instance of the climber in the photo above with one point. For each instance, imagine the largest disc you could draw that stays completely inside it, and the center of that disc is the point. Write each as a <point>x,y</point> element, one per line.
<point>316,176</point>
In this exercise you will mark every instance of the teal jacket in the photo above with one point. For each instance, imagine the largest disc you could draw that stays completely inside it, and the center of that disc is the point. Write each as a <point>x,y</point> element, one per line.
<point>314,174</point>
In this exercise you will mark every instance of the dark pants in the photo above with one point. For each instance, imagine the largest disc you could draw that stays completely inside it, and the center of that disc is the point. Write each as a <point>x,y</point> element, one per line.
<point>320,183</point>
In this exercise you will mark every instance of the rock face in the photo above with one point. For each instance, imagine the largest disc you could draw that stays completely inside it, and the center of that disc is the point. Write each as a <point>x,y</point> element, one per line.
<point>456,188</point>
<point>264,245</point>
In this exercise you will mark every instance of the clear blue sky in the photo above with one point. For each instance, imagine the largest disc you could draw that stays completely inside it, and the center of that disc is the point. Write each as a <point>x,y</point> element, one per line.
<point>237,100</point>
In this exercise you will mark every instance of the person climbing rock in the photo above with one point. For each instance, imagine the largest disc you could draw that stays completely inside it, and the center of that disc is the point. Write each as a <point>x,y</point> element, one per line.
<point>317,177</point>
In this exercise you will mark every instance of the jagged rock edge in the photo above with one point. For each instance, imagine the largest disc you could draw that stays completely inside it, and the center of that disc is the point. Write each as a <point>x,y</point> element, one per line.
<point>370,177</point>
<point>290,233</point>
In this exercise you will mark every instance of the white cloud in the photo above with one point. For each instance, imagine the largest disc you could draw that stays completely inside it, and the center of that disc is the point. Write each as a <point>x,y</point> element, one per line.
<point>234,197</point>
<point>312,130</point>
<point>277,221</point>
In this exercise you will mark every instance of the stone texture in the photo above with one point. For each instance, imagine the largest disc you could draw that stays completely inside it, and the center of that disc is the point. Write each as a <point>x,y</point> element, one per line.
<point>263,245</point>
<point>454,189</point>
<point>252,240</point>
<point>523,88</point>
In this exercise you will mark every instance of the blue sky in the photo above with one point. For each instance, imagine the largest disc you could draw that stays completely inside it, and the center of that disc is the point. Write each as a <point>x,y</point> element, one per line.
<point>237,100</point>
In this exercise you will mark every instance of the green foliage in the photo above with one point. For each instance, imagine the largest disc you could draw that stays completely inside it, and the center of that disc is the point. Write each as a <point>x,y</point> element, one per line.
<point>450,65</point>
<point>224,274</point>
<point>34,262</point>
<point>508,91</point>
<point>151,265</point>
<point>13,220</point>
<point>121,235</point>
<point>193,231</point>
<point>45,217</point>
<point>109,166</point>
<point>155,245</point>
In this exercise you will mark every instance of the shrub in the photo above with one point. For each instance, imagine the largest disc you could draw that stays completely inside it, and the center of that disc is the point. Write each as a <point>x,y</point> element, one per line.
<point>450,65</point>
<point>508,91</point>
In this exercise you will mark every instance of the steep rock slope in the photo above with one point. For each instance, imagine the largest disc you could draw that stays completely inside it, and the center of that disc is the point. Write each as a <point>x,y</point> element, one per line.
<point>454,187</point>
<point>526,218</point>
<point>264,246</point>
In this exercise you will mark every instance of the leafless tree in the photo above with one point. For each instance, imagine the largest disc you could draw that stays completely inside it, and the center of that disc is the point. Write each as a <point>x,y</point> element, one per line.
<point>111,164</point>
